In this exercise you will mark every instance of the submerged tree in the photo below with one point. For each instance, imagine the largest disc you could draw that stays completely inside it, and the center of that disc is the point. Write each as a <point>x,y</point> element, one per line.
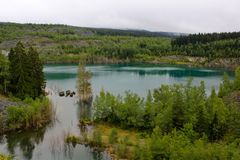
<point>83,82</point>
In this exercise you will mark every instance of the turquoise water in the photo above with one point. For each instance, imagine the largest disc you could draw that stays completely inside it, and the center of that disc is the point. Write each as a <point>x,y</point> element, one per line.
<point>48,143</point>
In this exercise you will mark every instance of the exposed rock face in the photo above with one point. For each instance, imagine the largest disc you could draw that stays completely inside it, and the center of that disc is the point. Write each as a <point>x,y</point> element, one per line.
<point>230,63</point>
<point>6,103</point>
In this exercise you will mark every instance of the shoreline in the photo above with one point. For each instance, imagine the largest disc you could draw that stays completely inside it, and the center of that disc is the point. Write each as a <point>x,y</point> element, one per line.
<point>218,63</point>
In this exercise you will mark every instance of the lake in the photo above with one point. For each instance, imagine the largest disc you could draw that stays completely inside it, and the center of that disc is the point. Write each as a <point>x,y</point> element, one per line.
<point>48,143</point>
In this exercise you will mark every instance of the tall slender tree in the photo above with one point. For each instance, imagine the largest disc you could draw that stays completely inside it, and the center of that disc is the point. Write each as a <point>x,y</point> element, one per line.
<point>4,73</point>
<point>83,82</point>
<point>36,74</point>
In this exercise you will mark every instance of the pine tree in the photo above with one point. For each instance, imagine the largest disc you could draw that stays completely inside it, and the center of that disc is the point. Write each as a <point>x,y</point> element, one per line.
<point>4,73</point>
<point>217,116</point>
<point>36,74</point>
<point>26,72</point>
<point>19,78</point>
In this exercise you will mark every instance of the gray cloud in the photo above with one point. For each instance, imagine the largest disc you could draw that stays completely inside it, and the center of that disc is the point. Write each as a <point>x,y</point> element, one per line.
<point>155,15</point>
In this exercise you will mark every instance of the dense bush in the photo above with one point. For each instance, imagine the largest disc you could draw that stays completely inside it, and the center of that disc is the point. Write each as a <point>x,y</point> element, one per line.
<point>178,145</point>
<point>168,107</point>
<point>33,114</point>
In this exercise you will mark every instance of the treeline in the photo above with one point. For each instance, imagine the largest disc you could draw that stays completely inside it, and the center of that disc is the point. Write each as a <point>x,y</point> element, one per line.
<point>15,30</point>
<point>205,38</point>
<point>135,33</point>
<point>215,45</point>
<point>181,120</point>
<point>21,73</point>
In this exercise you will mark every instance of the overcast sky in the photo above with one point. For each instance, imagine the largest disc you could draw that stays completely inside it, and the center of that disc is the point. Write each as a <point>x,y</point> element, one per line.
<point>155,15</point>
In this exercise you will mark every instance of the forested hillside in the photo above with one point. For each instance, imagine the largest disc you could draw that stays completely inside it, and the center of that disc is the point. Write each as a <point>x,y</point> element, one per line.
<point>62,43</point>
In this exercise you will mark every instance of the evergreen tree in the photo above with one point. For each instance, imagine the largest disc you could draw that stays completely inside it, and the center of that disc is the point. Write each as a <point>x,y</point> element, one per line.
<point>225,87</point>
<point>20,79</point>
<point>26,72</point>
<point>4,73</point>
<point>217,117</point>
<point>36,74</point>
<point>237,79</point>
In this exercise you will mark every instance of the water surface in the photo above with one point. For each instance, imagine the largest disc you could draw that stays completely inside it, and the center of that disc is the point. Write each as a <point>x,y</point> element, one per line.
<point>47,144</point>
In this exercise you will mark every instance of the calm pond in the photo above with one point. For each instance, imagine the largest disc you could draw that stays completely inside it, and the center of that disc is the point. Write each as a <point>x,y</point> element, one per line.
<point>48,144</point>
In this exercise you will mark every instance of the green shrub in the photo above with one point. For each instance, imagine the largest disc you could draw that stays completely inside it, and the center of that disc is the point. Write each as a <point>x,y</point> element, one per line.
<point>113,137</point>
<point>3,157</point>
<point>97,138</point>
<point>33,114</point>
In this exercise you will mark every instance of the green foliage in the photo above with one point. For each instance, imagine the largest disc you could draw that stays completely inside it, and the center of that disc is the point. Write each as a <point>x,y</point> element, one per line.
<point>122,150</point>
<point>177,145</point>
<point>142,152</point>
<point>225,87</point>
<point>33,114</point>
<point>213,45</point>
<point>183,122</point>
<point>184,108</point>
<point>217,116</point>
<point>113,137</point>
<point>36,73</point>
<point>26,72</point>
<point>83,82</point>
<point>4,73</point>
<point>97,138</point>
<point>103,107</point>
<point>3,157</point>
<point>237,79</point>
<point>61,43</point>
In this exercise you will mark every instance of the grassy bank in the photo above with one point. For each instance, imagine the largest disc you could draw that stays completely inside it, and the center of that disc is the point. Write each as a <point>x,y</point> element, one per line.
<point>117,142</point>
<point>29,114</point>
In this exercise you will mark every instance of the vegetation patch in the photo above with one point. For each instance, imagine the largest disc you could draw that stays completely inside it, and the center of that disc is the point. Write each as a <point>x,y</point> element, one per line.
<point>118,143</point>
<point>4,157</point>
<point>33,115</point>
<point>23,105</point>
<point>177,122</point>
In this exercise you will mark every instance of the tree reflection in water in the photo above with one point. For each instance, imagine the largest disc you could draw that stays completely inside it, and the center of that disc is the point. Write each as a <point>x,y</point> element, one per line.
<point>25,142</point>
